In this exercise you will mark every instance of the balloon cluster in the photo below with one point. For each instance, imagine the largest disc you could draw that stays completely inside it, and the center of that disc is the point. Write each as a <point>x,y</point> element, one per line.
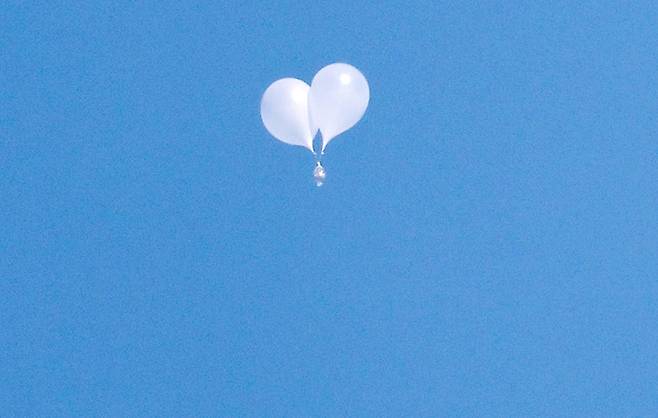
<point>293,112</point>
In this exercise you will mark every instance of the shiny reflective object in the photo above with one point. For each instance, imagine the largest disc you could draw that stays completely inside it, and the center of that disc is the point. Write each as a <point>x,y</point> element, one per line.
<point>337,100</point>
<point>319,174</point>
<point>285,114</point>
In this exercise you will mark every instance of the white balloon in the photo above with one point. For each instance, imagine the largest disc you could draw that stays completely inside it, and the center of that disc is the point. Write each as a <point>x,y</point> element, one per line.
<point>338,99</point>
<point>285,114</point>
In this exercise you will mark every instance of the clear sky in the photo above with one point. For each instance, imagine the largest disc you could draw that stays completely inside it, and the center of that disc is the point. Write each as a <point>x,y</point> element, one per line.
<point>486,243</point>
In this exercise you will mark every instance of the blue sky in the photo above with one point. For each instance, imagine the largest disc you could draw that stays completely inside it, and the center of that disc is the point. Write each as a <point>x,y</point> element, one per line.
<point>485,245</point>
